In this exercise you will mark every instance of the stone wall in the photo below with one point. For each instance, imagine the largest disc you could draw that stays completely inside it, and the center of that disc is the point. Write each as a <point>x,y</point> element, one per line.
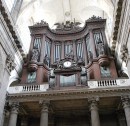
<point>10,59</point>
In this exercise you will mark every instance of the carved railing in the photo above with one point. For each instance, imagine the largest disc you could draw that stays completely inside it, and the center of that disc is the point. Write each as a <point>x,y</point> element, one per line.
<point>92,84</point>
<point>28,88</point>
<point>31,88</point>
<point>107,83</point>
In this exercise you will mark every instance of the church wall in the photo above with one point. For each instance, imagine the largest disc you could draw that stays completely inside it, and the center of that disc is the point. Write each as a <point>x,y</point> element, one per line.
<point>10,58</point>
<point>123,38</point>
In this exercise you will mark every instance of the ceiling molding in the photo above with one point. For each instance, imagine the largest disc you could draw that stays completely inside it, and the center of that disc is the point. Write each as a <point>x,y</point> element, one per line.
<point>11,29</point>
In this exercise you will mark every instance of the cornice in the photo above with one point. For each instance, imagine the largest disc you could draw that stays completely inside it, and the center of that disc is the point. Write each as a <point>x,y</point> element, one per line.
<point>11,29</point>
<point>117,22</point>
<point>69,94</point>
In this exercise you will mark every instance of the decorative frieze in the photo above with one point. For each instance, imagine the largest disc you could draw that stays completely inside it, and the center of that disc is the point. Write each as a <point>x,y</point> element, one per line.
<point>124,53</point>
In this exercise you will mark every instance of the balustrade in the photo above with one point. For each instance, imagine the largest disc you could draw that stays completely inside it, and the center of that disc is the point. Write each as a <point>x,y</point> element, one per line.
<point>107,83</point>
<point>31,88</point>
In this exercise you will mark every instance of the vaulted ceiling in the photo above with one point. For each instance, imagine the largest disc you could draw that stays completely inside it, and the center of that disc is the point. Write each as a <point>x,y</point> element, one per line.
<point>53,11</point>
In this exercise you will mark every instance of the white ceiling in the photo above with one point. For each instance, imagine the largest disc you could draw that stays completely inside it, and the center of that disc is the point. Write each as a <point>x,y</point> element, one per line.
<point>53,11</point>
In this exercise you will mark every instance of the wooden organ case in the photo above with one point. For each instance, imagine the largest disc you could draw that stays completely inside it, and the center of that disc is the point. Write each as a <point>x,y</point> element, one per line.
<point>68,56</point>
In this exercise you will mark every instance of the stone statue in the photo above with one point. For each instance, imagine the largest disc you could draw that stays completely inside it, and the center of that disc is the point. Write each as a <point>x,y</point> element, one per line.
<point>90,56</point>
<point>100,47</point>
<point>46,60</point>
<point>35,54</point>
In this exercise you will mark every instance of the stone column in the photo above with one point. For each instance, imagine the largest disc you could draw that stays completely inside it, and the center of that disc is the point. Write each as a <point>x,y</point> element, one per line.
<point>94,111</point>
<point>44,113</point>
<point>126,106</point>
<point>13,114</point>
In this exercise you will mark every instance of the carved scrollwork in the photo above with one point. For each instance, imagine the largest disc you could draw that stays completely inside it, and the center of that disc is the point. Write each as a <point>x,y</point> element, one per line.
<point>10,63</point>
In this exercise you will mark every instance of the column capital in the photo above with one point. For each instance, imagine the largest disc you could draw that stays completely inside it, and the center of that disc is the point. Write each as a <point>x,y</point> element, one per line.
<point>14,107</point>
<point>44,104</point>
<point>93,101</point>
<point>125,101</point>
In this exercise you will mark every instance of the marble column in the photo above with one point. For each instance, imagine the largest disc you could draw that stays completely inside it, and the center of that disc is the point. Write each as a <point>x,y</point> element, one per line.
<point>13,114</point>
<point>94,111</point>
<point>126,106</point>
<point>44,113</point>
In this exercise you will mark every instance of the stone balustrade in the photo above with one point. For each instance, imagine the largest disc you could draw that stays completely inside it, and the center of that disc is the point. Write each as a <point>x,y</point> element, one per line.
<point>91,85</point>
<point>108,83</point>
<point>28,88</point>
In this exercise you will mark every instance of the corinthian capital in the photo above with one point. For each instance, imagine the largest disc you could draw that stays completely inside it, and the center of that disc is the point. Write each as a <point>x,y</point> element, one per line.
<point>93,101</point>
<point>44,105</point>
<point>14,107</point>
<point>125,101</point>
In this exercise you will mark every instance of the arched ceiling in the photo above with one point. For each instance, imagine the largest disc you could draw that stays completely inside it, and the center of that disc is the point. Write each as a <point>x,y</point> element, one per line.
<point>53,11</point>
